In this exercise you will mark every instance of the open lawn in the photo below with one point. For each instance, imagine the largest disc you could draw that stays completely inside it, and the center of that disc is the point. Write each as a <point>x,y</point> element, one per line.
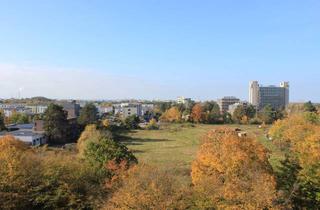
<point>175,146</point>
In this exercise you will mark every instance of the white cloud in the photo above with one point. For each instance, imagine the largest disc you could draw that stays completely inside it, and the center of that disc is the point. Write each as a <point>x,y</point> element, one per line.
<point>70,83</point>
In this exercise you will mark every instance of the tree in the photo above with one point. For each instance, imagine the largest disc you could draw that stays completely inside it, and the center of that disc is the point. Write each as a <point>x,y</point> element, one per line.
<point>2,124</point>
<point>234,172</point>
<point>88,115</point>
<point>243,114</point>
<point>98,148</point>
<point>132,122</point>
<point>268,114</point>
<point>197,113</point>
<point>212,112</point>
<point>55,124</point>
<point>299,138</point>
<point>309,107</point>
<point>144,187</point>
<point>239,113</point>
<point>153,125</point>
<point>171,115</point>
<point>20,118</point>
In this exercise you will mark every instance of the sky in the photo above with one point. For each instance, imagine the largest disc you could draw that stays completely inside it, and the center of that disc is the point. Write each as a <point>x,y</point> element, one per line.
<point>158,49</point>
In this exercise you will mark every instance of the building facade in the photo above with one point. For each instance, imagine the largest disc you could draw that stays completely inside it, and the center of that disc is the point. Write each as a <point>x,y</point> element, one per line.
<point>276,96</point>
<point>225,102</point>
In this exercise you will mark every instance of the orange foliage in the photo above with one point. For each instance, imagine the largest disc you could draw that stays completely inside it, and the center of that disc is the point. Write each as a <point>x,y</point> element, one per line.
<point>145,187</point>
<point>234,172</point>
<point>172,115</point>
<point>197,113</point>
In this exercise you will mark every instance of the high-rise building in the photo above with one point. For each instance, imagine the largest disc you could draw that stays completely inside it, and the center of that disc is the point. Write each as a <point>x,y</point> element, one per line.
<point>225,102</point>
<point>254,93</point>
<point>276,96</point>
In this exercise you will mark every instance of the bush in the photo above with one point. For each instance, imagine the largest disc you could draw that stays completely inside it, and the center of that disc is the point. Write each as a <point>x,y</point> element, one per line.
<point>152,125</point>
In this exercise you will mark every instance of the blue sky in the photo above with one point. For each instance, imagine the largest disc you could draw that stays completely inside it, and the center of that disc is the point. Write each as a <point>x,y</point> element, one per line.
<point>158,49</point>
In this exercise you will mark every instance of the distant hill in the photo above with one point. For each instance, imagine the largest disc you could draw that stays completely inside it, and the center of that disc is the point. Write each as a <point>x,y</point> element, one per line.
<point>30,101</point>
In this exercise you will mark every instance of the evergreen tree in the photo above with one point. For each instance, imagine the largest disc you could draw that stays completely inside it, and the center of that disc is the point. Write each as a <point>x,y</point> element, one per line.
<point>55,124</point>
<point>88,115</point>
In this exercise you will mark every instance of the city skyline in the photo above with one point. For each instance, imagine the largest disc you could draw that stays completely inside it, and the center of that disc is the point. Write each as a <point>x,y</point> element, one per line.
<point>157,49</point>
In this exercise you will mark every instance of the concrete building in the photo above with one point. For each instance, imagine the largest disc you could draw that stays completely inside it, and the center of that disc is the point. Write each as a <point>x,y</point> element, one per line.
<point>37,109</point>
<point>183,100</point>
<point>71,107</point>
<point>226,101</point>
<point>127,109</point>
<point>132,109</point>
<point>276,96</point>
<point>25,133</point>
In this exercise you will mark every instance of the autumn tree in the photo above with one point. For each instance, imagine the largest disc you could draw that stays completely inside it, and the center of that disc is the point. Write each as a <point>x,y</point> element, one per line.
<point>299,137</point>
<point>88,115</point>
<point>152,125</point>
<point>56,124</point>
<point>144,187</point>
<point>234,172</point>
<point>197,114</point>
<point>171,115</point>
<point>98,148</point>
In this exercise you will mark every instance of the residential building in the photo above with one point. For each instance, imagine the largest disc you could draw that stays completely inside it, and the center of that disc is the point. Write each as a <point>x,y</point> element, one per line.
<point>226,101</point>
<point>132,109</point>
<point>128,109</point>
<point>37,109</point>
<point>276,96</point>
<point>71,107</point>
<point>183,100</point>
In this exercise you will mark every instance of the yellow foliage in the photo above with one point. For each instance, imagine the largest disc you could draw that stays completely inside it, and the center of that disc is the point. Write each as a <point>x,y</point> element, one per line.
<point>90,133</point>
<point>106,123</point>
<point>145,187</point>
<point>301,137</point>
<point>171,115</point>
<point>234,172</point>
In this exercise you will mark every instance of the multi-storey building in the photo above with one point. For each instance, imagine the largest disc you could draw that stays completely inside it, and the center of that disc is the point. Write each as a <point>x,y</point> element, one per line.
<point>276,96</point>
<point>225,102</point>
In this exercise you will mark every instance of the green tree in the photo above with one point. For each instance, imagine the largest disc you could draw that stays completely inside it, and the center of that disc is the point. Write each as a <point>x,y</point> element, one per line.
<point>55,124</point>
<point>2,124</point>
<point>268,114</point>
<point>243,112</point>
<point>88,115</point>
<point>132,122</point>
<point>97,147</point>
<point>212,112</point>
<point>309,107</point>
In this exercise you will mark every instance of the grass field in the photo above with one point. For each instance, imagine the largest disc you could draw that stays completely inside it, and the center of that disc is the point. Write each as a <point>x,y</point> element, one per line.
<point>175,146</point>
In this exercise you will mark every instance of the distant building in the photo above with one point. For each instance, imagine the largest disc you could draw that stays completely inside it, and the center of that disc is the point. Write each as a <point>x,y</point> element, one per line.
<point>183,100</point>
<point>225,102</point>
<point>37,109</point>
<point>25,133</point>
<point>132,109</point>
<point>128,109</point>
<point>105,109</point>
<point>71,107</point>
<point>276,96</point>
